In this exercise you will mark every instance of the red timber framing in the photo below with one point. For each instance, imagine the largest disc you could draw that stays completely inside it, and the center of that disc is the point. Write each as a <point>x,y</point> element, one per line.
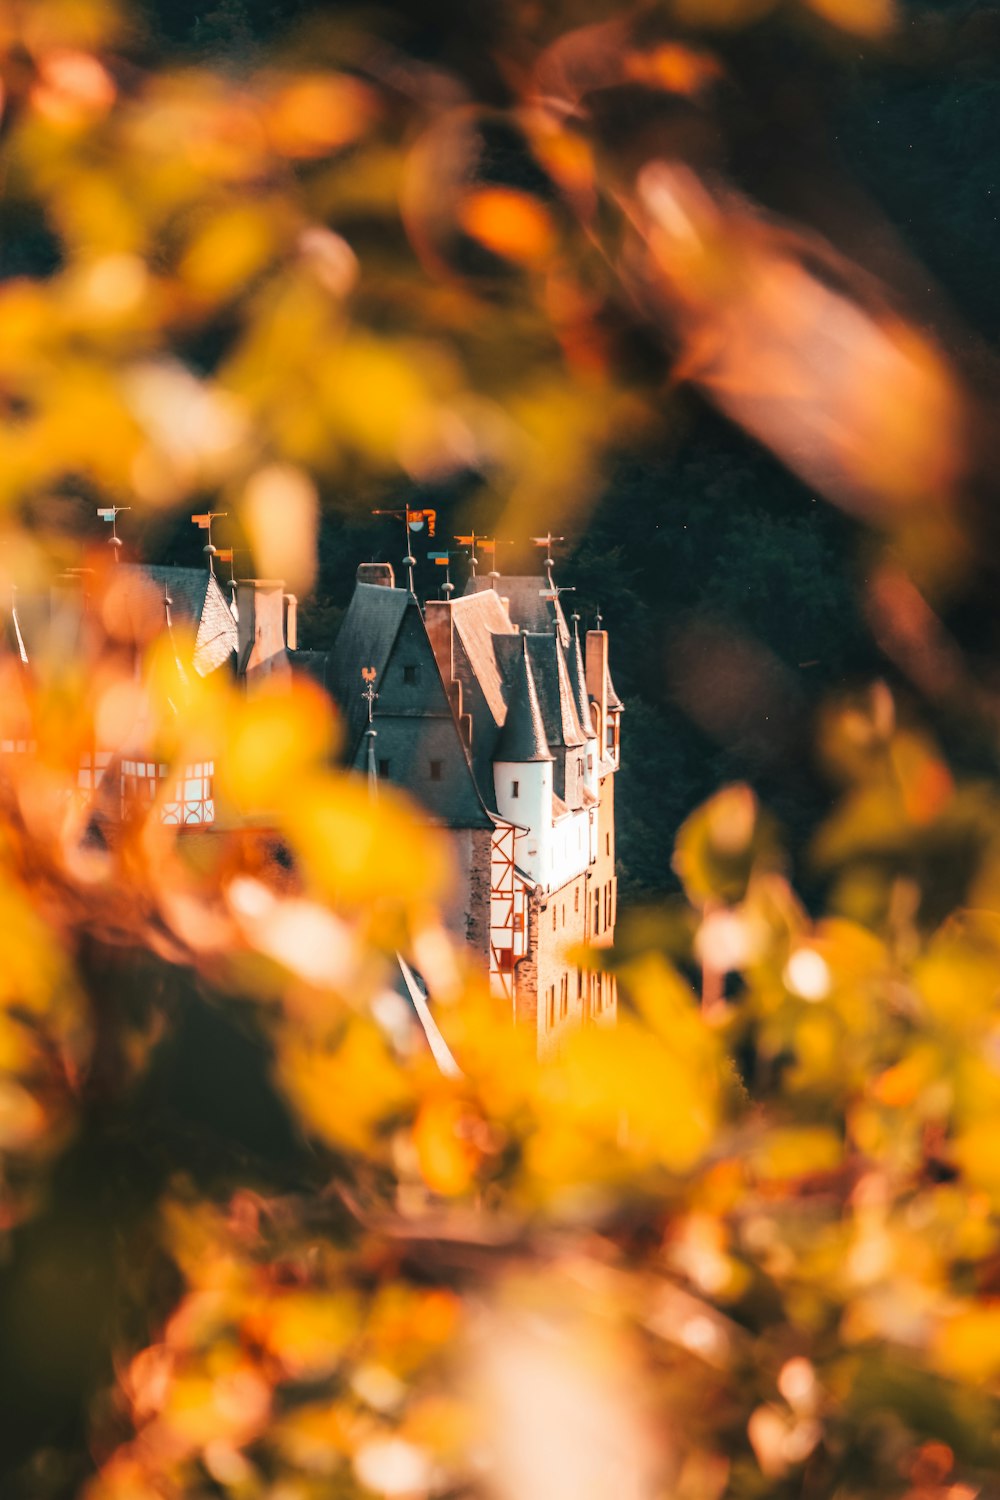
<point>508,918</point>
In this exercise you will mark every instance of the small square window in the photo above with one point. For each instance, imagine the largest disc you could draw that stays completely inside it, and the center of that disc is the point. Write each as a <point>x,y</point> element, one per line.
<point>383,768</point>
<point>410,674</point>
<point>436,768</point>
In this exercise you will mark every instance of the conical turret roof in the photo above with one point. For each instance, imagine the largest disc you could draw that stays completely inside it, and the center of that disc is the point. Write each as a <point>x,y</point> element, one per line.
<point>578,682</point>
<point>522,737</point>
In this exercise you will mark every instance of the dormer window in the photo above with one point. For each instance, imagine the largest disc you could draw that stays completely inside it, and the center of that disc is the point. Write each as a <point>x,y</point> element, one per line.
<point>436,767</point>
<point>411,674</point>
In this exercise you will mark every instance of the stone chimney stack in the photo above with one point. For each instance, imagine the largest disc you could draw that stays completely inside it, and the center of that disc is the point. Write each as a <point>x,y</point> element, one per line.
<point>597,680</point>
<point>261,603</point>
<point>378,573</point>
<point>438,620</point>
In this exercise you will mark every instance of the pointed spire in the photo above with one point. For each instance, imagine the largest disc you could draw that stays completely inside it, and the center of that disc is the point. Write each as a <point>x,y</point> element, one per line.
<point>370,736</point>
<point>578,682</point>
<point>16,639</point>
<point>169,623</point>
<point>522,737</point>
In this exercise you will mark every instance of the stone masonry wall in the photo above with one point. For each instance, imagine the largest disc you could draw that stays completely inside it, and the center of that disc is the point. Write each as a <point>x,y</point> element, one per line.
<point>551,991</point>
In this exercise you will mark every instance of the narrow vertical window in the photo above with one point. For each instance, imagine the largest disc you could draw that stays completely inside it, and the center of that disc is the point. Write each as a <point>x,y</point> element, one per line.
<point>410,675</point>
<point>515,789</point>
<point>383,768</point>
<point>436,770</point>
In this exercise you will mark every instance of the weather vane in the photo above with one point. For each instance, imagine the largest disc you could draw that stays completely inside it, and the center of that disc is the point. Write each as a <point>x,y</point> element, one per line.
<point>204,522</point>
<point>413,521</point>
<point>369,694</point>
<point>110,513</point>
<point>443,560</point>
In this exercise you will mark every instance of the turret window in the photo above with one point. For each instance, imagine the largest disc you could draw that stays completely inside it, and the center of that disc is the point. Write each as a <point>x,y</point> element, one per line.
<point>515,789</point>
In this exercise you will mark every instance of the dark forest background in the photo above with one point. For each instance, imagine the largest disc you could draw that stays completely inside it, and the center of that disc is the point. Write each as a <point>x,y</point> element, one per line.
<point>702,550</point>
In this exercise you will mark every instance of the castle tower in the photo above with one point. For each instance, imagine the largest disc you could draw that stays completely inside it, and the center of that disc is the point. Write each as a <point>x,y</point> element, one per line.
<point>522,773</point>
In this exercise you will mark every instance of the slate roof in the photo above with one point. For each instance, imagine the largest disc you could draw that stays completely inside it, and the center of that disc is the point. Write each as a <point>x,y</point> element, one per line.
<point>196,600</point>
<point>614,702</point>
<point>548,661</point>
<point>578,683</point>
<point>528,608</point>
<point>413,721</point>
<point>366,637</point>
<point>477,619</point>
<point>315,664</point>
<point>522,737</point>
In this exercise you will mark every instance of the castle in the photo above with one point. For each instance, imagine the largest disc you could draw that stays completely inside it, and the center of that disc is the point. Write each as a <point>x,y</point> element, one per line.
<point>494,714</point>
<point>488,709</point>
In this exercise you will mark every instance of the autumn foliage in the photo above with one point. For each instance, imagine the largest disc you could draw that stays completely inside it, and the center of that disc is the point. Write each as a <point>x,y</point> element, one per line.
<point>745,1243</point>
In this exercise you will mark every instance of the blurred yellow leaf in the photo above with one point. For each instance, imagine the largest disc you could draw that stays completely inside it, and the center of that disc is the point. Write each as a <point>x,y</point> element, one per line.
<point>797,1151</point>
<point>447,1157</point>
<point>344,1094</point>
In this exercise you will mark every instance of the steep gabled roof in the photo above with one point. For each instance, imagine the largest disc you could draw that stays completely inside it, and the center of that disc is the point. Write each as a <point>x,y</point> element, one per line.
<point>530,609</point>
<point>578,682</point>
<point>365,639</point>
<point>196,601</point>
<point>416,734</point>
<point>478,618</point>
<point>522,737</point>
<point>559,715</point>
<point>614,702</point>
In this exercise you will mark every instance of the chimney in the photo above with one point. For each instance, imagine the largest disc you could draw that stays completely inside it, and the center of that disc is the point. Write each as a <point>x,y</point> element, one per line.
<point>597,679</point>
<point>261,603</point>
<point>378,573</point>
<point>437,619</point>
<point>291,623</point>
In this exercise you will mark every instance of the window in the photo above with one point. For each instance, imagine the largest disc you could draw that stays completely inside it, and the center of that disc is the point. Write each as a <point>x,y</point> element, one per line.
<point>607,843</point>
<point>564,996</point>
<point>515,788</point>
<point>383,768</point>
<point>576,899</point>
<point>597,911</point>
<point>579,768</point>
<point>579,983</point>
<point>186,798</point>
<point>564,914</point>
<point>436,770</point>
<point>410,674</point>
<point>551,1007</point>
<point>553,918</point>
